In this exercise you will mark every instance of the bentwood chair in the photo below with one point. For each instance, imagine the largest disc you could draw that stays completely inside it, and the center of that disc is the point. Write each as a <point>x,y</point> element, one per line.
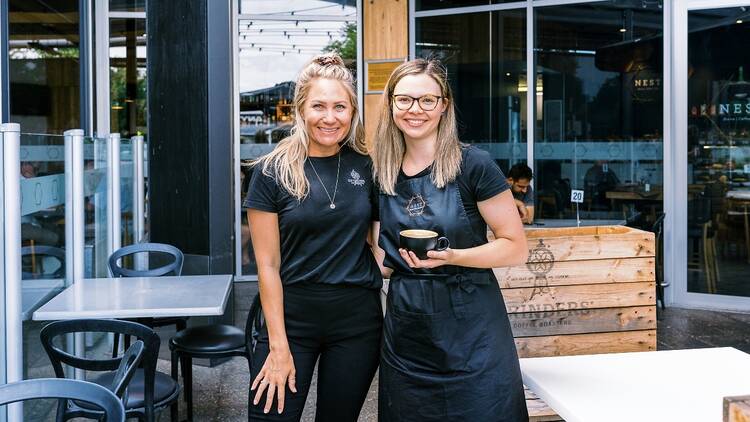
<point>214,342</point>
<point>172,268</point>
<point>52,388</point>
<point>148,390</point>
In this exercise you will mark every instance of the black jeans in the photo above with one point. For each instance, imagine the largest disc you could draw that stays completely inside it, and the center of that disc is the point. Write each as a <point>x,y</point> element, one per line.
<point>341,325</point>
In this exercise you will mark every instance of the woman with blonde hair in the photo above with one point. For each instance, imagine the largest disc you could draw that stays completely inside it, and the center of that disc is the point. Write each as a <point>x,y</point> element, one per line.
<point>448,352</point>
<point>310,209</point>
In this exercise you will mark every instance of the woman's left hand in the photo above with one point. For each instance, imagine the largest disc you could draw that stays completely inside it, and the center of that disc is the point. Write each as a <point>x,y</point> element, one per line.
<point>434,258</point>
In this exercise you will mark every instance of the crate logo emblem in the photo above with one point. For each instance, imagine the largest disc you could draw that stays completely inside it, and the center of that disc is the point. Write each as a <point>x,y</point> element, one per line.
<point>416,205</point>
<point>540,263</point>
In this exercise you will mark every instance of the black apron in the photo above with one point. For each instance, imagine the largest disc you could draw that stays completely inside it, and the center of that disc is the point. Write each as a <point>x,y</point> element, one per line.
<point>448,352</point>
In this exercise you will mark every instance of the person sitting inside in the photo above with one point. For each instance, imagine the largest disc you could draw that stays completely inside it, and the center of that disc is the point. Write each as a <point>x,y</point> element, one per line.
<point>519,179</point>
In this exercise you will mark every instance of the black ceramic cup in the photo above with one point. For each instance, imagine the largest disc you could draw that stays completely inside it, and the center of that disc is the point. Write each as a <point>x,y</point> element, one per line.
<point>421,241</point>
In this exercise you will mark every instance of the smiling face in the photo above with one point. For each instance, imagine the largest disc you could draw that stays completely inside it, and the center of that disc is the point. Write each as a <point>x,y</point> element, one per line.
<point>327,114</point>
<point>415,123</point>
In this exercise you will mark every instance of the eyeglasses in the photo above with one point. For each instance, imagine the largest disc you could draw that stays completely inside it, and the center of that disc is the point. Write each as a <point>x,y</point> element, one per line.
<point>426,102</point>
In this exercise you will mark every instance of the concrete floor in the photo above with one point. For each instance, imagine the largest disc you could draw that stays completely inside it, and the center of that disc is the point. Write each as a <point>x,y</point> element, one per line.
<point>221,392</point>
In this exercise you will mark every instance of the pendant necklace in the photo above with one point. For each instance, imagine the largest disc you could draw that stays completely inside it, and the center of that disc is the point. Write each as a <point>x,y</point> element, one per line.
<point>336,187</point>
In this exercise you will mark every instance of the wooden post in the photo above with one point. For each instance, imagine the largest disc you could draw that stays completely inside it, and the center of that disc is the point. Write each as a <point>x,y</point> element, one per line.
<point>385,37</point>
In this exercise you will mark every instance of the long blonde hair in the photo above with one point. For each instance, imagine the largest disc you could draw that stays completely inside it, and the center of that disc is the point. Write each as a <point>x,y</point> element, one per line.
<point>389,146</point>
<point>286,163</point>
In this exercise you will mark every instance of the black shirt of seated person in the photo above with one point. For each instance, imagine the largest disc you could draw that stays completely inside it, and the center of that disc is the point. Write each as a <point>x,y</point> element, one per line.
<point>320,244</point>
<point>480,179</point>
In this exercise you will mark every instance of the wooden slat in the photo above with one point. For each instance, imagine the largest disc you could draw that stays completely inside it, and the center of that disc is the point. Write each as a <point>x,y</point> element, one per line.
<point>586,344</point>
<point>599,242</point>
<point>537,324</point>
<point>577,248</point>
<point>534,232</point>
<point>736,409</point>
<point>540,412</point>
<point>386,30</point>
<point>578,272</point>
<point>581,297</point>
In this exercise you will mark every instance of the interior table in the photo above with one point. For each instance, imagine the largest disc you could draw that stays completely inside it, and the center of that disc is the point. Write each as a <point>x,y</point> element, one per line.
<point>552,223</point>
<point>140,297</point>
<point>675,385</point>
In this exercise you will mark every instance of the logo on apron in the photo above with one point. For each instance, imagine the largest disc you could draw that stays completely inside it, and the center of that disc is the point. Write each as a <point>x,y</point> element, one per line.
<point>416,205</point>
<point>355,179</point>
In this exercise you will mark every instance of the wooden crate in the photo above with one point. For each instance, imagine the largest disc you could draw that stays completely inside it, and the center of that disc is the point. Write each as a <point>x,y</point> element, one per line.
<point>737,409</point>
<point>583,290</point>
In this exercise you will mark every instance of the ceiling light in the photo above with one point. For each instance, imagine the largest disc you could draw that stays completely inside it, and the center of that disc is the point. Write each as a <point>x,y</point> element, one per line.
<point>623,30</point>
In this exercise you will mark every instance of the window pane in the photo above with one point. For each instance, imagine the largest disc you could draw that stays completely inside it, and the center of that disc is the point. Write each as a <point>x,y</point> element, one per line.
<point>718,136</point>
<point>44,65</point>
<point>127,5</point>
<point>271,54</point>
<point>487,71</point>
<point>599,110</point>
<point>127,77</point>
<point>445,4</point>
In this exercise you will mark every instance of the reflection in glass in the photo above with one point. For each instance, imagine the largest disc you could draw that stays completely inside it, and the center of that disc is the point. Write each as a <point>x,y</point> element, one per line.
<point>445,4</point>
<point>42,248</point>
<point>127,5</point>
<point>487,72</point>
<point>127,77</point>
<point>271,54</point>
<point>43,49</point>
<point>598,109</point>
<point>95,188</point>
<point>718,152</point>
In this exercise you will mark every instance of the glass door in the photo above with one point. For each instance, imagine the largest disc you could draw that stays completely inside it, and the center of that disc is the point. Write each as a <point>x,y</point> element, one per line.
<point>712,141</point>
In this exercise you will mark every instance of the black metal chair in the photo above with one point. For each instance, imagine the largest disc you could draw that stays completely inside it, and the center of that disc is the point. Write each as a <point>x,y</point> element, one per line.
<point>172,268</point>
<point>33,253</point>
<point>214,342</point>
<point>148,390</point>
<point>53,388</point>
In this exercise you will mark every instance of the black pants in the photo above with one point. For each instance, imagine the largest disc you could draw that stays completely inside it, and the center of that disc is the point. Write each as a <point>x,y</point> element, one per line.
<point>341,325</point>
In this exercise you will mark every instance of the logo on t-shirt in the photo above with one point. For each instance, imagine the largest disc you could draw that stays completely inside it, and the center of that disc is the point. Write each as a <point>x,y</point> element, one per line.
<point>416,205</point>
<point>356,179</point>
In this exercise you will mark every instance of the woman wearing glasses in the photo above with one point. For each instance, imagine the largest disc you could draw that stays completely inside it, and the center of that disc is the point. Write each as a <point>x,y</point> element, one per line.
<point>310,210</point>
<point>448,352</point>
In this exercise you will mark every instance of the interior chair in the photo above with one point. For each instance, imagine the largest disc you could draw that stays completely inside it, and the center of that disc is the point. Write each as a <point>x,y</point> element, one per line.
<point>702,240</point>
<point>148,390</point>
<point>171,268</point>
<point>52,388</point>
<point>214,342</point>
<point>658,230</point>
<point>33,256</point>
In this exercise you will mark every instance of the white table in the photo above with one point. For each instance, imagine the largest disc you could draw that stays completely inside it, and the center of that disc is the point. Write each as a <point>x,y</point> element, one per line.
<point>140,297</point>
<point>676,385</point>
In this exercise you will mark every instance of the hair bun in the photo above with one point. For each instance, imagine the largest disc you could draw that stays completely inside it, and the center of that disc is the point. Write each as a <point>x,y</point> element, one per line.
<point>330,59</point>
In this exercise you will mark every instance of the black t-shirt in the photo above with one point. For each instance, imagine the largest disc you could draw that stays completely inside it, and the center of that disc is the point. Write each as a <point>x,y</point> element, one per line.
<point>480,179</point>
<point>320,244</point>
